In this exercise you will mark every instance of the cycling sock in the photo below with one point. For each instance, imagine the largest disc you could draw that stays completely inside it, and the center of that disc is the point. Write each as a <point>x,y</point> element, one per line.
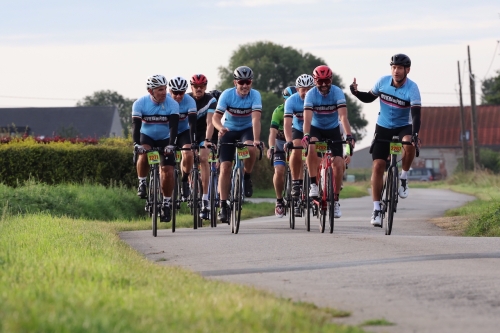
<point>142,179</point>
<point>313,180</point>
<point>166,200</point>
<point>297,182</point>
<point>279,200</point>
<point>376,205</point>
<point>205,197</point>
<point>404,174</point>
<point>335,197</point>
<point>185,177</point>
<point>246,176</point>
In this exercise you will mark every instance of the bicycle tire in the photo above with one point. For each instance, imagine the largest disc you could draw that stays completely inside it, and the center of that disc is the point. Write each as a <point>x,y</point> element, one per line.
<point>393,178</point>
<point>322,205</point>
<point>305,189</point>
<point>199,197</point>
<point>194,197</point>
<point>155,188</point>
<point>330,180</point>
<point>290,202</point>
<point>238,200</point>
<point>175,195</point>
<point>213,198</point>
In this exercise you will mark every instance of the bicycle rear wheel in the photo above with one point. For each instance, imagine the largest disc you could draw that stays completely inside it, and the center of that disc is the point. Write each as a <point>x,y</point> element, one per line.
<point>393,194</point>
<point>155,189</point>
<point>305,196</point>
<point>237,192</point>
<point>330,186</point>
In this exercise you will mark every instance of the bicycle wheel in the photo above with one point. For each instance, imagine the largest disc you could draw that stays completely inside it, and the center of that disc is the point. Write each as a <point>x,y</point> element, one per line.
<point>393,194</point>
<point>289,202</point>
<point>194,197</point>
<point>236,209</point>
<point>305,196</point>
<point>175,198</point>
<point>322,205</point>
<point>213,197</point>
<point>155,190</point>
<point>330,186</point>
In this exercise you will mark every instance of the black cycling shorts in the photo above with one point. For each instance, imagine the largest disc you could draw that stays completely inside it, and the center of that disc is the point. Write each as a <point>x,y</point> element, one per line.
<point>168,159</point>
<point>332,134</point>
<point>381,149</point>
<point>226,152</point>
<point>296,134</point>
<point>183,139</point>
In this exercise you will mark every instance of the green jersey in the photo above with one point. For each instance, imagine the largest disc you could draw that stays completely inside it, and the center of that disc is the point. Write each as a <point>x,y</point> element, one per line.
<point>277,121</point>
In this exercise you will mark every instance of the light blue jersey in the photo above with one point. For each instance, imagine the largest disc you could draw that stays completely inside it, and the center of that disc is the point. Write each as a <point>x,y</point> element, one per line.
<point>155,117</point>
<point>238,110</point>
<point>396,103</point>
<point>186,106</point>
<point>294,107</point>
<point>325,115</point>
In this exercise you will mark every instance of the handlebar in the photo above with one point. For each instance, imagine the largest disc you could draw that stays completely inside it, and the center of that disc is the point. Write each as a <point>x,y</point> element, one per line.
<point>239,144</point>
<point>329,141</point>
<point>395,139</point>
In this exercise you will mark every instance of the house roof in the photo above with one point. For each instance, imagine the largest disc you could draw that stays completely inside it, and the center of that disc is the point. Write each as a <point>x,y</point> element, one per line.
<point>84,121</point>
<point>441,126</point>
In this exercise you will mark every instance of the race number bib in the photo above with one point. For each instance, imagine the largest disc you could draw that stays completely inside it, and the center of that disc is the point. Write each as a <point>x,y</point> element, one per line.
<point>303,154</point>
<point>243,153</point>
<point>153,157</point>
<point>395,148</point>
<point>321,147</point>
<point>211,157</point>
<point>177,156</point>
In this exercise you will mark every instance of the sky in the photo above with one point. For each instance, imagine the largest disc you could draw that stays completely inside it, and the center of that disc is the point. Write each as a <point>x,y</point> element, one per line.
<point>53,53</point>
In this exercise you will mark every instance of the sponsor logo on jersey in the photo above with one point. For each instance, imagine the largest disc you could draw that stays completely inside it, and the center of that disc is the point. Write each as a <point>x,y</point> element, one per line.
<point>239,112</point>
<point>155,119</point>
<point>325,109</point>
<point>388,99</point>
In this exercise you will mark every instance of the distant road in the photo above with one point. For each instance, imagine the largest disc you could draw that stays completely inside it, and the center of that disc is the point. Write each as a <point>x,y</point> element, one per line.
<point>419,278</point>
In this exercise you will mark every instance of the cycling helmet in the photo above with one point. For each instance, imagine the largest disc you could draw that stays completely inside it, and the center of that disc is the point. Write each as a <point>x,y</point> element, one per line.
<point>304,81</point>
<point>322,72</point>
<point>178,83</point>
<point>198,79</point>
<point>243,73</point>
<point>215,93</point>
<point>401,59</point>
<point>289,91</point>
<point>155,81</point>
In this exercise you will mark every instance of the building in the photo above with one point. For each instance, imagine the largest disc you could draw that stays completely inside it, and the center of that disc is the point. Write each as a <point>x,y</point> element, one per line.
<point>81,121</point>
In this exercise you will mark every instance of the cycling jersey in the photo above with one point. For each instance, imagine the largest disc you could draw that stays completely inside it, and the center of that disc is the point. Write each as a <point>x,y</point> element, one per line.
<point>277,121</point>
<point>154,116</point>
<point>294,107</point>
<point>325,115</point>
<point>186,106</point>
<point>205,105</point>
<point>238,109</point>
<point>396,103</point>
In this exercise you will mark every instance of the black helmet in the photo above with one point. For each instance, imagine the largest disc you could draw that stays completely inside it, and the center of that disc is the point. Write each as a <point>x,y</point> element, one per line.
<point>401,59</point>
<point>243,73</point>
<point>215,94</point>
<point>289,91</point>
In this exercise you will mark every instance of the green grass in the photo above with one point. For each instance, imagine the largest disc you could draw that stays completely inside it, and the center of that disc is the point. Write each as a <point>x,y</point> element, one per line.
<point>67,275</point>
<point>377,322</point>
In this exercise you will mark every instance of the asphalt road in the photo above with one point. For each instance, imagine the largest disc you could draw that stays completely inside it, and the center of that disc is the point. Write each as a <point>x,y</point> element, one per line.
<point>418,278</point>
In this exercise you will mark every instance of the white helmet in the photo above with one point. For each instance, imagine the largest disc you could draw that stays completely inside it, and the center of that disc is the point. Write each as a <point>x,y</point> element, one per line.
<point>155,81</point>
<point>304,81</point>
<point>178,83</point>
<point>243,73</point>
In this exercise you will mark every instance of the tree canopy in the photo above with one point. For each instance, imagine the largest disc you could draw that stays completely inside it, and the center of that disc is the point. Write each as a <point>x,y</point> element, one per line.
<point>108,97</point>
<point>491,90</point>
<point>275,68</point>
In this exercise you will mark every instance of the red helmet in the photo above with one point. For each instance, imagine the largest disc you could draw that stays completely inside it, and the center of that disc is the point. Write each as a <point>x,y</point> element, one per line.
<point>322,72</point>
<point>198,79</point>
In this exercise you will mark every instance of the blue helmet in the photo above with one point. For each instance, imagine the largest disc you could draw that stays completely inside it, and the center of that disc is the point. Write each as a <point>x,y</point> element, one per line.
<point>289,91</point>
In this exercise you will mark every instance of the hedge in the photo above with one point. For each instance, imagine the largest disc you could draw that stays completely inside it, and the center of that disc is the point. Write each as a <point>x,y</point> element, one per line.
<point>109,162</point>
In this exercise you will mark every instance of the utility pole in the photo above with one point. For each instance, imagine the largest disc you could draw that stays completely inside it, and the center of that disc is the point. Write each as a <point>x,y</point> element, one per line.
<point>462,122</point>
<point>475,147</point>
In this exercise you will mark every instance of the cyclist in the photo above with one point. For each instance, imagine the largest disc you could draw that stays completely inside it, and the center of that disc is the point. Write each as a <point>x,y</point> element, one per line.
<point>399,115</point>
<point>242,107</point>
<point>293,123</point>
<point>205,134</point>
<point>155,119</point>
<point>276,149</point>
<point>187,126</point>
<point>324,107</point>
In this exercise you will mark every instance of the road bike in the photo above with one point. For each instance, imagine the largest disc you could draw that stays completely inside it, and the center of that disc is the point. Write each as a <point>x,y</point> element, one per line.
<point>289,201</point>
<point>236,192</point>
<point>213,186</point>
<point>389,195</point>
<point>323,205</point>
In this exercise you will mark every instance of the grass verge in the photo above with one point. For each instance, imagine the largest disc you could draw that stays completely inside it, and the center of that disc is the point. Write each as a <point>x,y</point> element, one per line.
<point>377,322</point>
<point>67,275</point>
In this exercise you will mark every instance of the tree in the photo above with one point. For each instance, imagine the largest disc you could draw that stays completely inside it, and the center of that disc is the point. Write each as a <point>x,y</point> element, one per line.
<point>275,68</point>
<point>108,97</point>
<point>491,90</point>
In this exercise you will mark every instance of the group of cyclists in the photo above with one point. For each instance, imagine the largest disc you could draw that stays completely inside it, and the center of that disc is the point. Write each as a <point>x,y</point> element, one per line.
<point>314,110</point>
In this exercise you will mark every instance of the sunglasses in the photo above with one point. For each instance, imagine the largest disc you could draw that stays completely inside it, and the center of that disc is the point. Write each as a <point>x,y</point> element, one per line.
<point>323,81</point>
<point>199,87</point>
<point>243,82</point>
<point>177,93</point>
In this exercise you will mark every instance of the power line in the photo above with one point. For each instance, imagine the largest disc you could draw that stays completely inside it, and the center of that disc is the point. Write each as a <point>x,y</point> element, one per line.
<point>47,98</point>
<point>492,59</point>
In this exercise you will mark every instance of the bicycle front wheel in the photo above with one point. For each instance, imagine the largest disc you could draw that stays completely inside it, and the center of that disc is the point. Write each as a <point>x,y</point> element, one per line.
<point>289,202</point>
<point>330,186</point>
<point>307,200</point>
<point>175,199</point>
<point>393,195</point>
<point>237,192</point>
<point>213,199</point>
<point>322,203</point>
<point>155,189</point>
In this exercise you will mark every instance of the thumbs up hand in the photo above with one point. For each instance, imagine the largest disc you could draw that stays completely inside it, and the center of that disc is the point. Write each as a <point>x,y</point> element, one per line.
<point>354,87</point>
